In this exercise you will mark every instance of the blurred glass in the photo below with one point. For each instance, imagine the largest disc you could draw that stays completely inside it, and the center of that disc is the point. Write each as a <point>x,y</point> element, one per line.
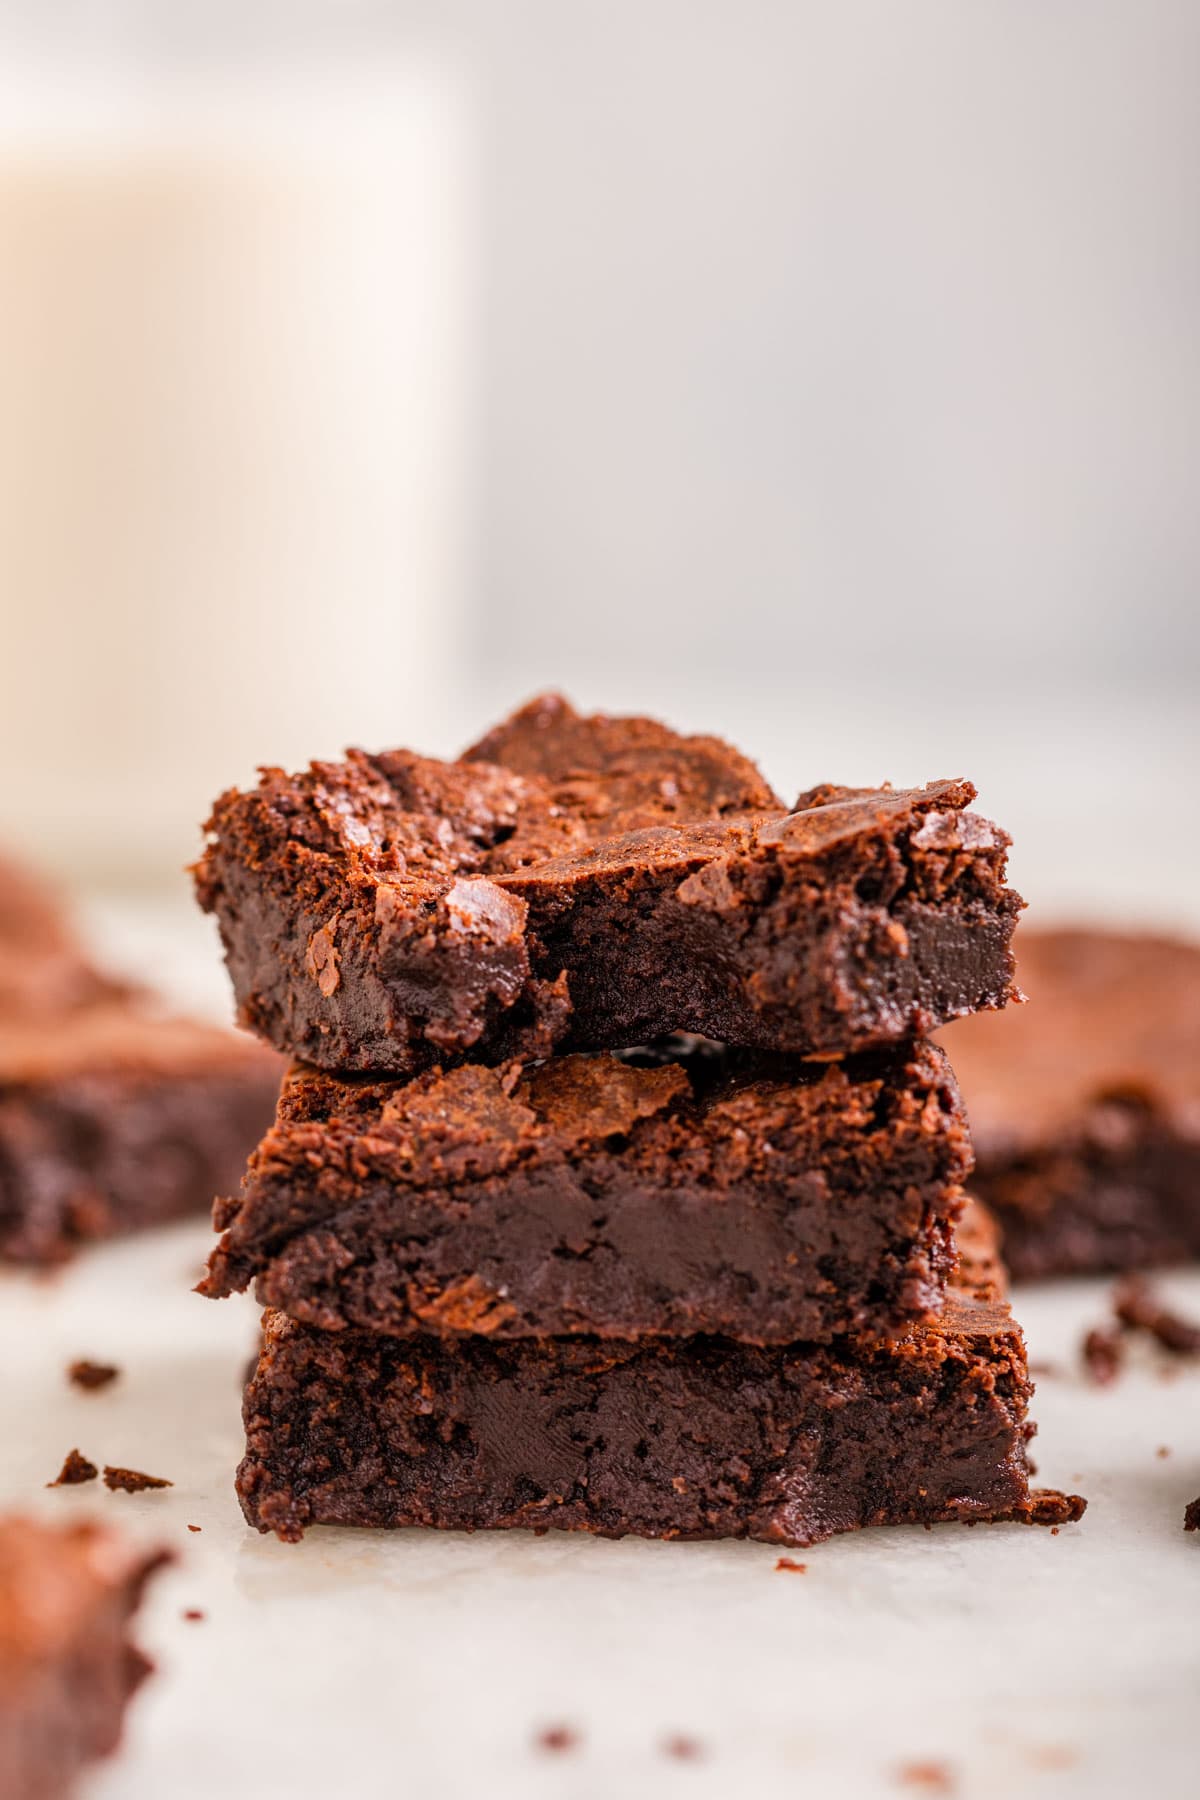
<point>232,337</point>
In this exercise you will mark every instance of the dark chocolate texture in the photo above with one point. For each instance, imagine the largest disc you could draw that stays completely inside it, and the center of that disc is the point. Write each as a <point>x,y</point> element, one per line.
<point>700,1438</point>
<point>1085,1104</point>
<point>681,1190</point>
<point>594,882</point>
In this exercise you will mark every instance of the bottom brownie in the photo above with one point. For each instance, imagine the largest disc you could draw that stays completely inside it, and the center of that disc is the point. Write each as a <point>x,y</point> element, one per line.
<point>67,1667</point>
<point>691,1438</point>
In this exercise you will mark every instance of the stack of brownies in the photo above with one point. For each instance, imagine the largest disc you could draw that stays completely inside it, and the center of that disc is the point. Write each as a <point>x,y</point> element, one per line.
<point>531,1256</point>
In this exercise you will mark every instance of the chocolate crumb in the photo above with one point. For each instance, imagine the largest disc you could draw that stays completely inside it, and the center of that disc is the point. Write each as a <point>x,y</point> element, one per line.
<point>1046,1506</point>
<point>1139,1309</point>
<point>132,1481</point>
<point>76,1468</point>
<point>1191,1518</point>
<point>1044,1368</point>
<point>685,1748</point>
<point>788,1562</point>
<point>558,1737</point>
<point>193,1527</point>
<point>194,1614</point>
<point>1163,1450</point>
<point>91,1375</point>
<point>1103,1355</point>
<point>930,1777</point>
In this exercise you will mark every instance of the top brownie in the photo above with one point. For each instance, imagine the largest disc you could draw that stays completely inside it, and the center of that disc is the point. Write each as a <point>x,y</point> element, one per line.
<point>585,883</point>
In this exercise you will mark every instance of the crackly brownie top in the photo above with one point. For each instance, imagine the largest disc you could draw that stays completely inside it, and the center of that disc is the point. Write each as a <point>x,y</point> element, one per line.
<point>685,1110</point>
<point>53,1579</point>
<point>1111,1031</point>
<point>552,793</point>
<point>411,821</point>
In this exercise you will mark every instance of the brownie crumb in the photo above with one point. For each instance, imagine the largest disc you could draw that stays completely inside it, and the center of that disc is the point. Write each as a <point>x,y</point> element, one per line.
<point>1103,1355</point>
<point>789,1562</point>
<point>557,1738</point>
<point>1163,1450</point>
<point>929,1777</point>
<point>132,1481</point>
<point>1046,1506</point>
<point>1139,1309</point>
<point>91,1375</point>
<point>1191,1518</point>
<point>685,1749</point>
<point>193,1528</point>
<point>1044,1368</point>
<point>76,1468</point>
<point>193,1614</point>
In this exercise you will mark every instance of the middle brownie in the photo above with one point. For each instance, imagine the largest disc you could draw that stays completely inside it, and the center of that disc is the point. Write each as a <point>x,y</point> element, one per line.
<point>682,1189</point>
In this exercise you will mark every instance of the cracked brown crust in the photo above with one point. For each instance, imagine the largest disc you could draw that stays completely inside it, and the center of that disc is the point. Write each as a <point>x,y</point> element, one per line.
<point>1085,1105</point>
<point>696,1439</point>
<point>681,1190</point>
<point>67,1665</point>
<point>602,881</point>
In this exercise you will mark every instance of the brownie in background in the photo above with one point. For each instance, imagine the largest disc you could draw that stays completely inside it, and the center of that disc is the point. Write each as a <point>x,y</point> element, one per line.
<point>67,1665</point>
<point>112,1116</point>
<point>1084,1105</point>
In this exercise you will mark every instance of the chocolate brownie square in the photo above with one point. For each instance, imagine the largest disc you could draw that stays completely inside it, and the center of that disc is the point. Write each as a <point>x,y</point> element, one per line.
<point>111,1116</point>
<point>113,1119</point>
<point>584,883</point>
<point>676,1190</point>
<point>1085,1104</point>
<point>656,1437</point>
<point>67,1666</point>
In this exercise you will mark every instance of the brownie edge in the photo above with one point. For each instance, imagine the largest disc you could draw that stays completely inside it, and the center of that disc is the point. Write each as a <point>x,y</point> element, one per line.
<point>698,1439</point>
<point>678,1190</point>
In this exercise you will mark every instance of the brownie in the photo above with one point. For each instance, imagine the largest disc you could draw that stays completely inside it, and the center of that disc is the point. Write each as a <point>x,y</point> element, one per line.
<point>676,1190</point>
<point>692,1438</point>
<point>1085,1104</point>
<point>67,1665</point>
<point>113,1118</point>
<point>43,967</point>
<point>589,883</point>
